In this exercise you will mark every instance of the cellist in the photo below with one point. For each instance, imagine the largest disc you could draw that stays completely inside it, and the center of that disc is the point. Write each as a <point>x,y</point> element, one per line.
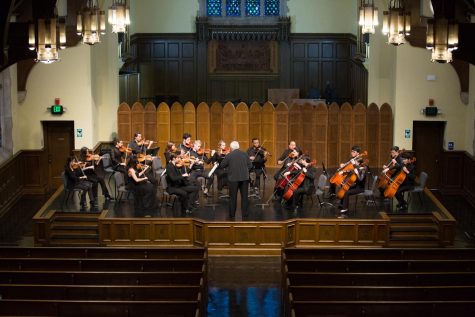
<point>357,183</point>
<point>306,187</point>
<point>408,183</point>
<point>355,151</point>
<point>391,168</point>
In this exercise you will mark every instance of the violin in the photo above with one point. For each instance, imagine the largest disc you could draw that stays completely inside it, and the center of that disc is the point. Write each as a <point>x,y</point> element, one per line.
<point>142,157</point>
<point>294,183</point>
<point>185,161</point>
<point>265,153</point>
<point>293,154</point>
<point>125,149</point>
<point>340,174</point>
<point>225,151</point>
<point>145,142</point>
<point>76,165</point>
<point>93,157</point>
<point>394,183</point>
<point>203,151</point>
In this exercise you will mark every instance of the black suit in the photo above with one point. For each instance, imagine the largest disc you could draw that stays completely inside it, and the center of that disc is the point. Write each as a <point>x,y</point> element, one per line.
<point>238,165</point>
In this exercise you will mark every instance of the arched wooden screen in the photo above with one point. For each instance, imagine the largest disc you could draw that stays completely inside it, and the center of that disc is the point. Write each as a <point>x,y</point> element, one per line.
<point>124,128</point>
<point>189,119</point>
<point>242,125</point>
<point>321,129</point>
<point>333,135</point>
<point>358,120</point>
<point>386,131</point>
<point>176,123</point>
<point>163,128</point>
<point>216,123</point>
<point>307,126</point>
<point>137,114</point>
<point>150,122</point>
<point>295,124</point>
<point>255,120</point>
<point>372,135</point>
<point>202,125</point>
<point>229,122</point>
<point>267,131</point>
<point>281,132</point>
<point>345,132</point>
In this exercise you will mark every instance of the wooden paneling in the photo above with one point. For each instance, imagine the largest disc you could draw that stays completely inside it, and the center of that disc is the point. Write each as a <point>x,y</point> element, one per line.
<point>268,128</point>
<point>242,125</point>
<point>229,122</point>
<point>281,124</point>
<point>124,127</point>
<point>321,133</point>
<point>345,133</point>
<point>176,123</point>
<point>163,127</point>
<point>189,119</point>
<point>458,174</point>
<point>34,174</point>
<point>358,119</point>
<point>137,118</point>
<point>150,122</point>
<point>372,135</point>
<point>203,125</point>
<point>295,124</point>
<point>385,131</point>
<point>333,135</point>
<point>216,123</point>
<point>255,120</point>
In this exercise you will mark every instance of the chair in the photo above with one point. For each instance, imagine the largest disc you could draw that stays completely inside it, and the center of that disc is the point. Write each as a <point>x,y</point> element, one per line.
<point>157,167</point>
<point>167,198</point>
<point>420,188</point>
<point>320,191</point>
<point>108,169</point>
<point>69,189</point>
<point>120,187</point>
<point>368,194</point>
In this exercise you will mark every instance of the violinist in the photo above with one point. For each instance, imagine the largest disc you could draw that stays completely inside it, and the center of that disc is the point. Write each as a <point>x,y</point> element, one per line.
<point>356,183</point>
<point>93,176</point>
<point>408,183</point>
<point>199,157</point>
<point>140,185</point>
<point>76,177</point>
<point>177,183</point>
<point>118,156</point>
<point>392,167</point>
<point>171,148</point>
<point>139,145</point>
<point>186,145</point>
<point>258,156</point>
<point>307,187</point>
<point>355,151</point>
<point>220,172</point>
<point>287,158</point>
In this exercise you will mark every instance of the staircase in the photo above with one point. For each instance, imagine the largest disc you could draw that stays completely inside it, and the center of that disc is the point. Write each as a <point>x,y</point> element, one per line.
<point>74,229</point>
<point>413,230</point>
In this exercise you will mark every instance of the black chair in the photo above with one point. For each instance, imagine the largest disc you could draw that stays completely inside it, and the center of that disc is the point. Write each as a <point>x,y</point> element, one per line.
<point>69,189</point>
<point>167,198</point>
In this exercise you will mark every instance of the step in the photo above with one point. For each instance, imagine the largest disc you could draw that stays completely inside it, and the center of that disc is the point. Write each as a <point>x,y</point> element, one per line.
<point>74,226</point>
<point>422,228</point>
<point>74,236</point>
<point>75,219</point>
<point>413,236</point>
<point>413,244</point>
<point>75,231</point>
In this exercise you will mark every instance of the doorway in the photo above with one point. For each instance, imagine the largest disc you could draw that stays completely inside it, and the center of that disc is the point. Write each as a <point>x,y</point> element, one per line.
<point>428,143</point>
<point>59,144</point>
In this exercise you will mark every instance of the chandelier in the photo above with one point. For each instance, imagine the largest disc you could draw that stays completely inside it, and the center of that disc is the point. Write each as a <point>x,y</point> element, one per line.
<point>47,37</point>
<point>119,16</point>
<point>90,23</point>
<point>442,39</point>
<point>396,22</point>
<point>368,16</point>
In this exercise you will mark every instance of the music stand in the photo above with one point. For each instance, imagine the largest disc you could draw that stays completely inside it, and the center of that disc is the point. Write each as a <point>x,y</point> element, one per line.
<point>324,203</point>
<point>213,204</point>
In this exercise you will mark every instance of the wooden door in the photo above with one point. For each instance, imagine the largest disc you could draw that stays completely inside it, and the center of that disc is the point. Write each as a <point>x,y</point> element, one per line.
<point>59,144</point>
<point>428,142</point>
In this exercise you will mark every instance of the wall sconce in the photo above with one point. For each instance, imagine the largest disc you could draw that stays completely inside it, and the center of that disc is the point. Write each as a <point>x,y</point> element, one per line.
<point>442,39</point>
<point>47,37</point>
<point>368,16</point>
<point>396,22</point>
<point>90,23</point>
<point>119,16</point>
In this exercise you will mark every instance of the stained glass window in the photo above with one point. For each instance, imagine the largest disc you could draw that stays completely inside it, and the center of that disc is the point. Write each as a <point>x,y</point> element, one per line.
<point>213,8</point>
<point>271,7</point>
<point>233,8</point>
<point>253,8</point>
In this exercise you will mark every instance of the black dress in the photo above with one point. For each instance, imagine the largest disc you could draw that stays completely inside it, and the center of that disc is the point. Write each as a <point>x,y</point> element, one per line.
<point>144,194</point>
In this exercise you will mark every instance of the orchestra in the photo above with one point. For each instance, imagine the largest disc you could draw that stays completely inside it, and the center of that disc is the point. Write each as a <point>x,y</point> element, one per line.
<point>191,162</point>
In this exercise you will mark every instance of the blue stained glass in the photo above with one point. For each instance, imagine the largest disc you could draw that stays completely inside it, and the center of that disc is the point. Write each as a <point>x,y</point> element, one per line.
<point>233,8</point>
<point>271,7</point>
<point>213,8</point>
<point>253,8</point>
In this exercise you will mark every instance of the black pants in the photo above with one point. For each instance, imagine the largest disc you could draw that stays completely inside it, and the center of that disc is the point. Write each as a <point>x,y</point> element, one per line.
<point>187,195</point>
<point>400,193</point>
<point>85,186</point>
<point>221,175</point>
<point>349,192</point>
<point>243,189</point>
<point>257,182</point>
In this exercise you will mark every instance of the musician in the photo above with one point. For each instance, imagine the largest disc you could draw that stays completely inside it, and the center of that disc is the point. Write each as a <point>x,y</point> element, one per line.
<point>143,189</point>
<point>287,158</point>
<point>92,176</point>
<point>355,151</point>
<point>186,145</point>
<point>238,164</point>
<point>360,171</point>
<point>408,184</point>
<point>393,166</point>
<point>307,187</point>
<point>179,185</point>
<point>171,148</point>
<point>258,156</point>
<point>74,175</point>
<point>138,145</point>
<point>118,157</point>
<point>220,172</point>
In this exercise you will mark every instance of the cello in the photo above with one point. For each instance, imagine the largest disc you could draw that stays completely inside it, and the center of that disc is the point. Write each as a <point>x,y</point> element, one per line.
<point>394,183</point>
<point>384,178</point>
<point>283,180</point>
<point>339,176</point>
<point>295,182</point>
<point>349,181</point>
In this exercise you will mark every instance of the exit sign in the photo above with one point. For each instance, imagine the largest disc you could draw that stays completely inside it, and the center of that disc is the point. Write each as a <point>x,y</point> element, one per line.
<point>57,109</point>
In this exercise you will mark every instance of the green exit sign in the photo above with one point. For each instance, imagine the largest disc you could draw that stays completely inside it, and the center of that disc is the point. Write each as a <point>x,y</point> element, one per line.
<point>57,109</point>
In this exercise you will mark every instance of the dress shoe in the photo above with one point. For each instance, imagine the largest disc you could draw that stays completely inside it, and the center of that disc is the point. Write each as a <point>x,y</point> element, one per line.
<point>188,212</point>
<point>344,211</point>
<point>83,207</point>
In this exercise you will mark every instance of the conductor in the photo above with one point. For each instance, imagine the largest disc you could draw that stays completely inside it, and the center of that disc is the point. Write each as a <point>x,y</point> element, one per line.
<point>238,164</point>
